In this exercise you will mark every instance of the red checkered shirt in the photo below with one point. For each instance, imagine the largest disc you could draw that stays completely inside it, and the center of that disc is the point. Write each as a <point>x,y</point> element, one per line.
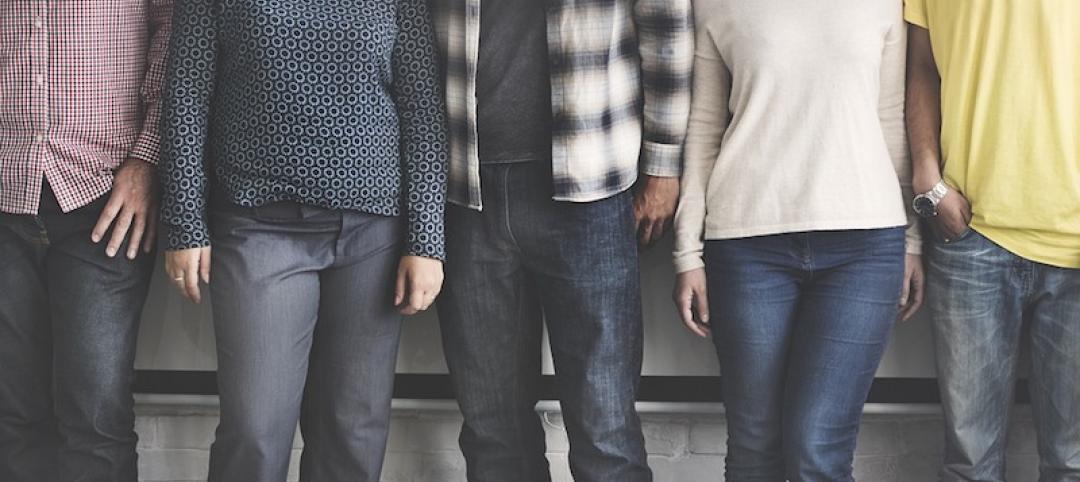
<point>80,83</point>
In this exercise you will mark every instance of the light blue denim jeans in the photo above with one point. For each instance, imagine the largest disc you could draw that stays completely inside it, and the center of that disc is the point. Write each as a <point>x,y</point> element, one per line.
<point>982,296</point>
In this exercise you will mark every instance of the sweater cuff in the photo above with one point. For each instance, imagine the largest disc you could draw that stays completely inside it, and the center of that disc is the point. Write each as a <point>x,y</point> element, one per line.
<point>426,249</point>
<point>189,235</point>
<point>426,235</point>
<point>688,262</point>
<point>913,239</point>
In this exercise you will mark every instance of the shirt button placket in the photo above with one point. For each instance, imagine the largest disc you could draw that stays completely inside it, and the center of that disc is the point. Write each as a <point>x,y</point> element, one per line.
<point>39,88</point>
<point>40,72</point>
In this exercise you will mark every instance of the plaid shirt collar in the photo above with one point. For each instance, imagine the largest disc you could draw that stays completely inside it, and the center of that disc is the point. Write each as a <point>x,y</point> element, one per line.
<point>620,102</point>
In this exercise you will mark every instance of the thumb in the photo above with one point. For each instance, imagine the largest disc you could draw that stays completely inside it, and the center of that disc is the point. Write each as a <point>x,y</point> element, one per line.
<point>701,303</point>
<point>204,266</point>
<point>399,286</point>
<point>905,290</point>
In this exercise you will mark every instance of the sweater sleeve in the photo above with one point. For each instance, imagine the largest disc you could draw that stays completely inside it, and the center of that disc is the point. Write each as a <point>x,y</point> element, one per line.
<point>422,119</point>
<point>666,46</point>
<point>891,113</point>
<point>709,118</point>
<point>190,74</point>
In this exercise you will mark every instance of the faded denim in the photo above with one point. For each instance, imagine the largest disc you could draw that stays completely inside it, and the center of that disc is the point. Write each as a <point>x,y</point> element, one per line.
<point>986,303</point>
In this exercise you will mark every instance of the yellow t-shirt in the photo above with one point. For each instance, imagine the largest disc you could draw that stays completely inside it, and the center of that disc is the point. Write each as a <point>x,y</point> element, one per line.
<point>1010,105</point>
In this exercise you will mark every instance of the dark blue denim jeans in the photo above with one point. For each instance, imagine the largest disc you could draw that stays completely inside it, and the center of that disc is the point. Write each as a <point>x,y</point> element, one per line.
<point>986,303</point>
<point>800,323</point>
<point>69,317</point>
<point>523,260</point>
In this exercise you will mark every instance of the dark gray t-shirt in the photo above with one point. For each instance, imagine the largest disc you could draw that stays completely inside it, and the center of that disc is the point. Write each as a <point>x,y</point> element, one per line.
<point>513,82</point>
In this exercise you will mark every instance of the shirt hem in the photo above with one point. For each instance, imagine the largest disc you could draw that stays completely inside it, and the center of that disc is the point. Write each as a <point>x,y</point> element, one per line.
<point>997,237</point>
<point>831,225</point>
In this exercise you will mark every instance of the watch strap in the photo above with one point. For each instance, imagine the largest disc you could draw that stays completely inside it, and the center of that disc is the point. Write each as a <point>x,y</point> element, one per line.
<point>938,192</point>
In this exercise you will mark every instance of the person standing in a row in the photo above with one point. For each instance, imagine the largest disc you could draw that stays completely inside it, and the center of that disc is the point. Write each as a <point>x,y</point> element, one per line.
<point>995,141</point>
<point>793,245</point>
<point>80,87</point>
<point>567,124</point>
<point>305,145</point>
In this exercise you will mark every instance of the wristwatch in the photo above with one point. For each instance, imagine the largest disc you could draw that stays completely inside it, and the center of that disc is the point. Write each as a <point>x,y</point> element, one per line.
<point>925,204</point>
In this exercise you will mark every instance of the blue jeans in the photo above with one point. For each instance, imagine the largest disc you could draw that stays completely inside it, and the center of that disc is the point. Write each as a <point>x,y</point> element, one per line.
<point>800,323</point>
<point>69,315</point>
<point>524,259</point>
<point>986,302</point>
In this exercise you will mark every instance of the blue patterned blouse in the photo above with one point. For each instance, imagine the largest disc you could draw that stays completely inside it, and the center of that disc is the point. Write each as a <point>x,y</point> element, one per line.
<point>332,103</point>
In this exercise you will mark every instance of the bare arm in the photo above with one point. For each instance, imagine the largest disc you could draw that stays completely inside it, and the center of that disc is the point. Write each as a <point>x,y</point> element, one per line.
<point>924,134</point>
<point>923,110</point>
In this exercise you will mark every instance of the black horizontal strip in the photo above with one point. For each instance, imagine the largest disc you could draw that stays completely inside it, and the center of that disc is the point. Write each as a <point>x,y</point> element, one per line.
<point>653,388</point>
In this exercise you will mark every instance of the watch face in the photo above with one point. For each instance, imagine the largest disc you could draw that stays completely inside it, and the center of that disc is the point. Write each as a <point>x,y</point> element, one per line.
<point>924,207</point>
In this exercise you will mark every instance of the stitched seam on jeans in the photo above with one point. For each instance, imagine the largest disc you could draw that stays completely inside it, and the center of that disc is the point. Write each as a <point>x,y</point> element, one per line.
<point>506,207</point>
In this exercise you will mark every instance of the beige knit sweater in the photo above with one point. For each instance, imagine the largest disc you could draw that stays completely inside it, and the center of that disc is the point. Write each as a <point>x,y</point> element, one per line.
<point>797,122</point>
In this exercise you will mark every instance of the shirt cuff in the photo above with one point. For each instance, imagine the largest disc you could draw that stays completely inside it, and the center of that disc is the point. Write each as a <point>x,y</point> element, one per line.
<point>661,160</point>
<point>913,239</point>
<point>426,236</point>
<point>426,250</point>
<point>147,148</point>
<point>189,235</point>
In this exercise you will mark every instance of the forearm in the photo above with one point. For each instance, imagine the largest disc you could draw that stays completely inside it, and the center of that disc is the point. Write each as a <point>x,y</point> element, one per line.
<point>923,111</point>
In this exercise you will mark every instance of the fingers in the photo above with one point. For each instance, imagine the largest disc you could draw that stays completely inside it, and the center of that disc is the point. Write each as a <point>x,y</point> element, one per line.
<point>918,296</point>
<point>112,209</point>
<point>174,268</point>
<point>138,229</point>
<point>660,227</point>
<point>420,296</point>
<point>949,226</point>
<point>645,232</point>
<point>191,279</point>
<point>185,268</point>
<point>150,238</point>
<point>693,305</point>
<point>915,299</point>
<point>651,229</point>
<point>911,298</point>
<point>418,299</point>
<point>701,306</point>
<point>405,293</point>
<point>204,266</point>
<point>399,286</point>
<point>418,284</point>
<point>120,228</point>
<point>906,289</point>
<point>639,210</point>
<point>684,303</point>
